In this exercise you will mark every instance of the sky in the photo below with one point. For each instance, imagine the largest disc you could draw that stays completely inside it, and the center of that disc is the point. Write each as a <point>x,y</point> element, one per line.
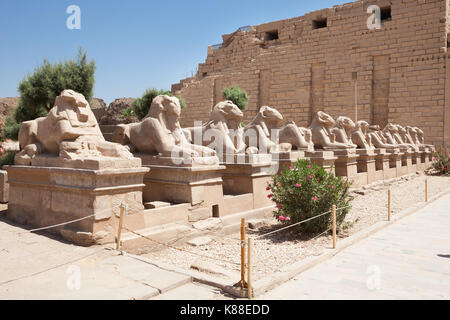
<point>136,44</point>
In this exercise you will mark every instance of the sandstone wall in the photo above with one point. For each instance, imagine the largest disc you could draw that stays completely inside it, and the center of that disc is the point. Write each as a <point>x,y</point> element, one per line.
<point>400,69</point>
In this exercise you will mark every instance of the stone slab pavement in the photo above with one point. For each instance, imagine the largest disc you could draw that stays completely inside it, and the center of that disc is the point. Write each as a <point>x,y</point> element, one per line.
<point>37,266</point>
<point>409,259</point>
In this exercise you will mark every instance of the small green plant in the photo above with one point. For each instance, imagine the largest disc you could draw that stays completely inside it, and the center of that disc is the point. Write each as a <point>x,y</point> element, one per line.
<point>142,105</point>
<point>128,115</point>
<point>237,96</point>
<point>441,161</point>
<point>306,190</point>
<point>6,158</point>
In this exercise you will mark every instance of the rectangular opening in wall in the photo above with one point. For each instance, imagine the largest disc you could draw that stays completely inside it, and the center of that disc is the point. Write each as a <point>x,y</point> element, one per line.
<point>379,164</point>
<point>271,35</point>
<point>386,14</point>
<point>319,23</point>
<point>215,211</point>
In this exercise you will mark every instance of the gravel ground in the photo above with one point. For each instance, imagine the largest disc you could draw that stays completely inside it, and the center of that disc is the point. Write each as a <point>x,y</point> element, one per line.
<point>284,248</point>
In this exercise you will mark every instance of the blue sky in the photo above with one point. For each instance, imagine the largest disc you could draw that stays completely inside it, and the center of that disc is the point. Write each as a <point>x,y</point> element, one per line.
<point>136,44</point>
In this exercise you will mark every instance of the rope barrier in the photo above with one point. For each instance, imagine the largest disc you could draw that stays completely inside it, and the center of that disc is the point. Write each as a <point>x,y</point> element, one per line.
<point>65,223</point>
<point>298,223</point>
<point>180,249</point>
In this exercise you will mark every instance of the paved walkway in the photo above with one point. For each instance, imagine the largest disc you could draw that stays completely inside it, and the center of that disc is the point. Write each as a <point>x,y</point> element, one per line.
<point>34,266</point>
<point>408,260</point>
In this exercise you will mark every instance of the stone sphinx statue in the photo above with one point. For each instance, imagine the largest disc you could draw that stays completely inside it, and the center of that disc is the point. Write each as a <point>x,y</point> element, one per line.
<point>391,132</point>
<point>405,137</point>
<point>223,130</point>
<point>421,140</point>
<point>361,137</point>
<point>70,130</point>
<point>300,138</point>
<point>378,139</point>
<point>413,135</point>
<point>160,133</point>
<point>259,133</point>
<point>321,136</point>
<point>343,129</point>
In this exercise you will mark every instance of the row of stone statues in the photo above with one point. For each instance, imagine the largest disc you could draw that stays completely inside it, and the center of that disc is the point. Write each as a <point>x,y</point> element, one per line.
<point>71,131</point>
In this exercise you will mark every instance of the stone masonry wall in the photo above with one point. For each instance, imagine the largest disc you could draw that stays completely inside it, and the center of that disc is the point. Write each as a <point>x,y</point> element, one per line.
<point>400,69</point>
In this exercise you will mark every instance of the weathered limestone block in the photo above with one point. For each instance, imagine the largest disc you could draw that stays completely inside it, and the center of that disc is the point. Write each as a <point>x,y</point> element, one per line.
<point>250,176</point>
<point>323,158</point>
<point>4,187</point>
<point>366,166</point>
<point>381,163</point>
<point>67,171</point>
<point>43,196</point>
<point>196,183</point>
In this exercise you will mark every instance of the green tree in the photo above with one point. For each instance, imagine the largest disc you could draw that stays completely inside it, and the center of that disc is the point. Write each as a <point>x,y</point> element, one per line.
<point>237,96</point>
<point>142,105</point>
<point>39,90</point>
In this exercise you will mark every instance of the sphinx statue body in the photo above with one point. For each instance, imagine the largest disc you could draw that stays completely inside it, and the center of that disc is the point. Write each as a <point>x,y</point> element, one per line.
<point>259,133</point>
<point>378,139</point>
<point>322,135</point>
<point>361,137</point>
<point>343,129</point>
<point>223,132</point>
<point>70,131</point>
<point>160,133</point>
<point>300,138</point>
<point>392,135</point>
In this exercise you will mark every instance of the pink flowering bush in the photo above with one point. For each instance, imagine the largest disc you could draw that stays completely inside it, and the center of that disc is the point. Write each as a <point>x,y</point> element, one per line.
<point>441,161</point>
<point>306,190</point>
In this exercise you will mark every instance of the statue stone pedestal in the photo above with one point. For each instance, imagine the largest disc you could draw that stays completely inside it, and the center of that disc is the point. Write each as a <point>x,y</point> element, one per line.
<point>395,164</point>
<point>248,174</point>
<point>286,159</point>
<point>366,168</point>
<point>407,166</point>
<point>42,195</point>
<point>346,164</point>
<point>381,164</point>
<point>197,181</point>
<point>322,158</point>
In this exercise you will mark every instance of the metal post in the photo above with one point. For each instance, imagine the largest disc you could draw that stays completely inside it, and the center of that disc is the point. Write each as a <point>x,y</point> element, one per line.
<point>426,189</point>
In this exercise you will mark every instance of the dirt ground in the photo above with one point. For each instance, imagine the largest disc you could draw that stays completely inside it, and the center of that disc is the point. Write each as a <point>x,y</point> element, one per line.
<point>281,249</point>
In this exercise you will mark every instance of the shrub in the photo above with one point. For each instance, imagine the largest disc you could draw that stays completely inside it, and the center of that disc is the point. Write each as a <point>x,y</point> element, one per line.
<point>237,96</point>
<point>11,129</point>
<point>307,190</point>
<point>39,90</point>
<point>142,105</point>
<point>441,161</point>
<point>127,114</point>
<point>6,158</point>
